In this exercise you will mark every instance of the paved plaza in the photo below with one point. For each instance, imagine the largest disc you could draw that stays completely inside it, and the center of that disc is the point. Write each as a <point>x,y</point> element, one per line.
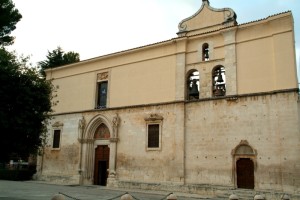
<point>32,190</point>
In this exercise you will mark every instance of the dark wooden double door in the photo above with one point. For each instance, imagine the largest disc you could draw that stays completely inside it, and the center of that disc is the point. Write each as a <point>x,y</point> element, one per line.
<point>101,165</point>
<point>245,173</point>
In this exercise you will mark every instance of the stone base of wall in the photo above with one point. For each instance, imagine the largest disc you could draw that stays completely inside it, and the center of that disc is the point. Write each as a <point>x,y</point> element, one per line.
<point>206,191</point>
<point>58,179</point>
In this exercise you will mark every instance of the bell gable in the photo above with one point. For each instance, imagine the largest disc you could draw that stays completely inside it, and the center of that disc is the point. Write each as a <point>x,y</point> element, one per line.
<point>207,19</point>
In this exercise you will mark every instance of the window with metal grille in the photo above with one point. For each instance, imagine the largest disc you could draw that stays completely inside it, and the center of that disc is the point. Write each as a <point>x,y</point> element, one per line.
<point>102,94</point>
<point>153,135</point>
<point>56,139</point>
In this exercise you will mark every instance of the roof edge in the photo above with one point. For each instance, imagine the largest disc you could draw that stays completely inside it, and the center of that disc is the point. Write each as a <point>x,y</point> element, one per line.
<point>94,59</point>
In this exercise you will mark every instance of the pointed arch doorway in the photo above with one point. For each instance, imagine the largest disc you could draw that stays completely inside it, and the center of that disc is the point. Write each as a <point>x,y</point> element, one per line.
<point>244,157</point>
<point>99,145</point>
<point>101,161</point>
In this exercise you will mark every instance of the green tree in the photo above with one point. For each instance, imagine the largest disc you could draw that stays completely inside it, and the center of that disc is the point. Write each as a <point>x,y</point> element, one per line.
<point>57,58</point>
<point>25,106</point>
<point>9,17</point>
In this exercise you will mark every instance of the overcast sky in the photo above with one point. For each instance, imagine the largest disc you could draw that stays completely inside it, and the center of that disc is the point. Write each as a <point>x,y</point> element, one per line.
<point>98,27</point>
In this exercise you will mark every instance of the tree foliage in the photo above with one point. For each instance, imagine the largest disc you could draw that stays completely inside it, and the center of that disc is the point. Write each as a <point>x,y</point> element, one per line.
<point>25,106</point>
<point>9,17</point>
<point>57,58</point>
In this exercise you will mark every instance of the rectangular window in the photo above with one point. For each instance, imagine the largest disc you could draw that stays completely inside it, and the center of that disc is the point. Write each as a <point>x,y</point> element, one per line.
<point>102,94</point>
<point>56,139</point>
<point>153,135</point>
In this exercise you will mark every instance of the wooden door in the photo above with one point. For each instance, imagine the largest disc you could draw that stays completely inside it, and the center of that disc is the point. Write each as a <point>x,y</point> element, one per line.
<point>101,165</point>
<point>245,173</point>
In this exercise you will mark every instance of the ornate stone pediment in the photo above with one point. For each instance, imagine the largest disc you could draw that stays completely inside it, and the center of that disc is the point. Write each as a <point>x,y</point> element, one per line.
<point>58,124</point>
<point>154,117</point>
<point>207,19</point>
<point>244,149</point>
<point>102,76</point>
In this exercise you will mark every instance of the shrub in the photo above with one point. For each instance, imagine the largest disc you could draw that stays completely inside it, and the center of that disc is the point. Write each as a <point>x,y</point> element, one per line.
<point>16,174</point>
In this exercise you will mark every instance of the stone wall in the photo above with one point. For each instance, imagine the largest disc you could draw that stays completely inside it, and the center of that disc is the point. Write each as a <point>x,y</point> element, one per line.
<point>197,144</point>
<point>135,162</point>
<point>269,123</point>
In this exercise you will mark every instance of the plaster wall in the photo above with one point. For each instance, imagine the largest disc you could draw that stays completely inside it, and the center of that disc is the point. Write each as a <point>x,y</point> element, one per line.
<point>266,55</point>
<point>129,84</point>
<point>75,93</point>
<point>134,84</point>
<point>194,47</point>
<point>257,57</point>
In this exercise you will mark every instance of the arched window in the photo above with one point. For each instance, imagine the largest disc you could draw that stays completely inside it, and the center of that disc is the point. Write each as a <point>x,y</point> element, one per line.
<point>205,52</point>
<point>218,81</point>
<point>193,85</point>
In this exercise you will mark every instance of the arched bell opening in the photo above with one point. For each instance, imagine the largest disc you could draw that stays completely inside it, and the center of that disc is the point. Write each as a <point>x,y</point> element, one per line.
<point>218,81</point>
<point>205,52</point>
<point>193,85</point>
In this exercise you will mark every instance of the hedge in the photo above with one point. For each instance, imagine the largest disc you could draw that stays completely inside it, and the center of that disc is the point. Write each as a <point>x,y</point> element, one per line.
<point>16,174</point>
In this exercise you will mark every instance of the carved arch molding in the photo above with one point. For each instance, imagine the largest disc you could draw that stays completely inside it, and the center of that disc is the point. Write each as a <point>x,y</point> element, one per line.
<point>241,151</point>
<point>89,141</point>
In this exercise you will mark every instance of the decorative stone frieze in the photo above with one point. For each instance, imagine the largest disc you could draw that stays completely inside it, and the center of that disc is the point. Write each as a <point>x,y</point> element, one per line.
<point>102,76</point>
<point>154,117</point>
<point>58,124</point>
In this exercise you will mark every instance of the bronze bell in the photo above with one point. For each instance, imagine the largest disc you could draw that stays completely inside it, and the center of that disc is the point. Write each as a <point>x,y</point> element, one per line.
<point>194,89</point>
<point>206,55</point>
<point>220,78</point>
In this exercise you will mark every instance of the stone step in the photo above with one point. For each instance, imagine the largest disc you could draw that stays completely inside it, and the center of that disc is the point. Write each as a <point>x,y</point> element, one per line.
<point>243,194</point>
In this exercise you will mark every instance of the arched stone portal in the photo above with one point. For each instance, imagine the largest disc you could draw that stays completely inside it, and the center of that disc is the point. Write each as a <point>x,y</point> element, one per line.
<point>100,133</point>
<point>101,163</point>
<point>244,165</point>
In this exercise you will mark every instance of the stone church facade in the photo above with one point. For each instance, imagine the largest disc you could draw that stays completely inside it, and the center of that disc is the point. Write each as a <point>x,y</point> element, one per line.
<point>211,110</point>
